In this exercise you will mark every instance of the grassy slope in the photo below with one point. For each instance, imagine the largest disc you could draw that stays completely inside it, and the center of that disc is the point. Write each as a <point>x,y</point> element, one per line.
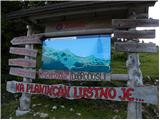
<point>90,108</point>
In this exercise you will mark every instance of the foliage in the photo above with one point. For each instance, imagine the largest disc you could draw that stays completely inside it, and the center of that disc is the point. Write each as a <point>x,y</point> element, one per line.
<point>9,30</point>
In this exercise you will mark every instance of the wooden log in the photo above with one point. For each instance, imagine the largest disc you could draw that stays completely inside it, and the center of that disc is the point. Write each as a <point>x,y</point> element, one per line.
<point>146,94</point>
<point>25,99</point>
<point>26,40</point>
<point>73,76</point>
<point>22,62</point>
<point>23,51</point>
<point>134,34</point>
<point>22,72</point>
<point>135,47</point>
<point>135,80</point>
<point>130,23</point>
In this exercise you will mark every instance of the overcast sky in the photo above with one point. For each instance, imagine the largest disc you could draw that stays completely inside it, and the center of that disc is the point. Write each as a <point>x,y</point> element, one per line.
<point>154,12</point>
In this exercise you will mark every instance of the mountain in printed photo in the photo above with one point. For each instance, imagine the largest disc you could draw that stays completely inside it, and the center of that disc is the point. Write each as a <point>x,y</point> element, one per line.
<point>65,60</point>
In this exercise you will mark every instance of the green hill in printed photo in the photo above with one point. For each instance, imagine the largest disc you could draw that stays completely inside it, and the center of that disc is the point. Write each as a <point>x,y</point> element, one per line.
<point>65,60</point>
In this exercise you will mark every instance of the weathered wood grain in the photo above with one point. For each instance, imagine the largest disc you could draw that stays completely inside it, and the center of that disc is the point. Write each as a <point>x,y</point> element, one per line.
<point>22,72</point>
<point>25,99</point>
<point>23,51</point>
<point>76,32</point>
<point>79,76</point>
<point>122,77</point>
<point>22,40</point>
<point>73,76</point>
<point>134,110</point>
<point>146,94</point>
<point>131,23</point>
<point>69,25</point>
<point>135,80</point>
<point>134,34</point>
<point>22,62</point>
<point>135,47</point>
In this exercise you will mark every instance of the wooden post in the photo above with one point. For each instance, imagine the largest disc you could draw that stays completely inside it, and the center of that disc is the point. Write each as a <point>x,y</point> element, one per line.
<point>25,99</point>
<point>135,79</point>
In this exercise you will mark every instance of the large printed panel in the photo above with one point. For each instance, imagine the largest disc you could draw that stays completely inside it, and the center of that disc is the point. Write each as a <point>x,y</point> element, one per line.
<point>78,53</point>
<point>146,94</point>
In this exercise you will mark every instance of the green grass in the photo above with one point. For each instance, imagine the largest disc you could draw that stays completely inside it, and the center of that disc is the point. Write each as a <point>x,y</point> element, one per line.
<point>149,65</point>
<point>97,109</point>
<point>88,108</point>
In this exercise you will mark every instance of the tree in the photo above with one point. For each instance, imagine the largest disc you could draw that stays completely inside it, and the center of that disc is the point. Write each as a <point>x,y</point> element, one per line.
<point>10,29</point>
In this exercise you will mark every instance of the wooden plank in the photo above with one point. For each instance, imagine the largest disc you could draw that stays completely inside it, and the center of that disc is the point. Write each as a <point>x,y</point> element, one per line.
<point>123,77</point>
<point>135,47</point>
<point>23,51</point>
<point>131,23</point>
<point>73,76</point>
<point>134,34</point>
<point>22,62</point>
<point>146,94</point>
<point>22,72</point>
<point>76,32</point>
<point>52,74</point>
<point>22,40</point>
<point>81,24</point>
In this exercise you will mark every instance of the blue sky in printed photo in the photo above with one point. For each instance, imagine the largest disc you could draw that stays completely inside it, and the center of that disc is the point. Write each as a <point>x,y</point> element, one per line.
<point>83,46</point>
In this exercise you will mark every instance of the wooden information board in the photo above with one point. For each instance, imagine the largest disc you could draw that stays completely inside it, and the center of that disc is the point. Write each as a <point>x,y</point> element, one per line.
<point>84,58</point>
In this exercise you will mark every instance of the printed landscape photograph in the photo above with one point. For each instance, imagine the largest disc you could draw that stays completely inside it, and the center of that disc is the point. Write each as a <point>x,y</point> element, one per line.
<point>78,53</point>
